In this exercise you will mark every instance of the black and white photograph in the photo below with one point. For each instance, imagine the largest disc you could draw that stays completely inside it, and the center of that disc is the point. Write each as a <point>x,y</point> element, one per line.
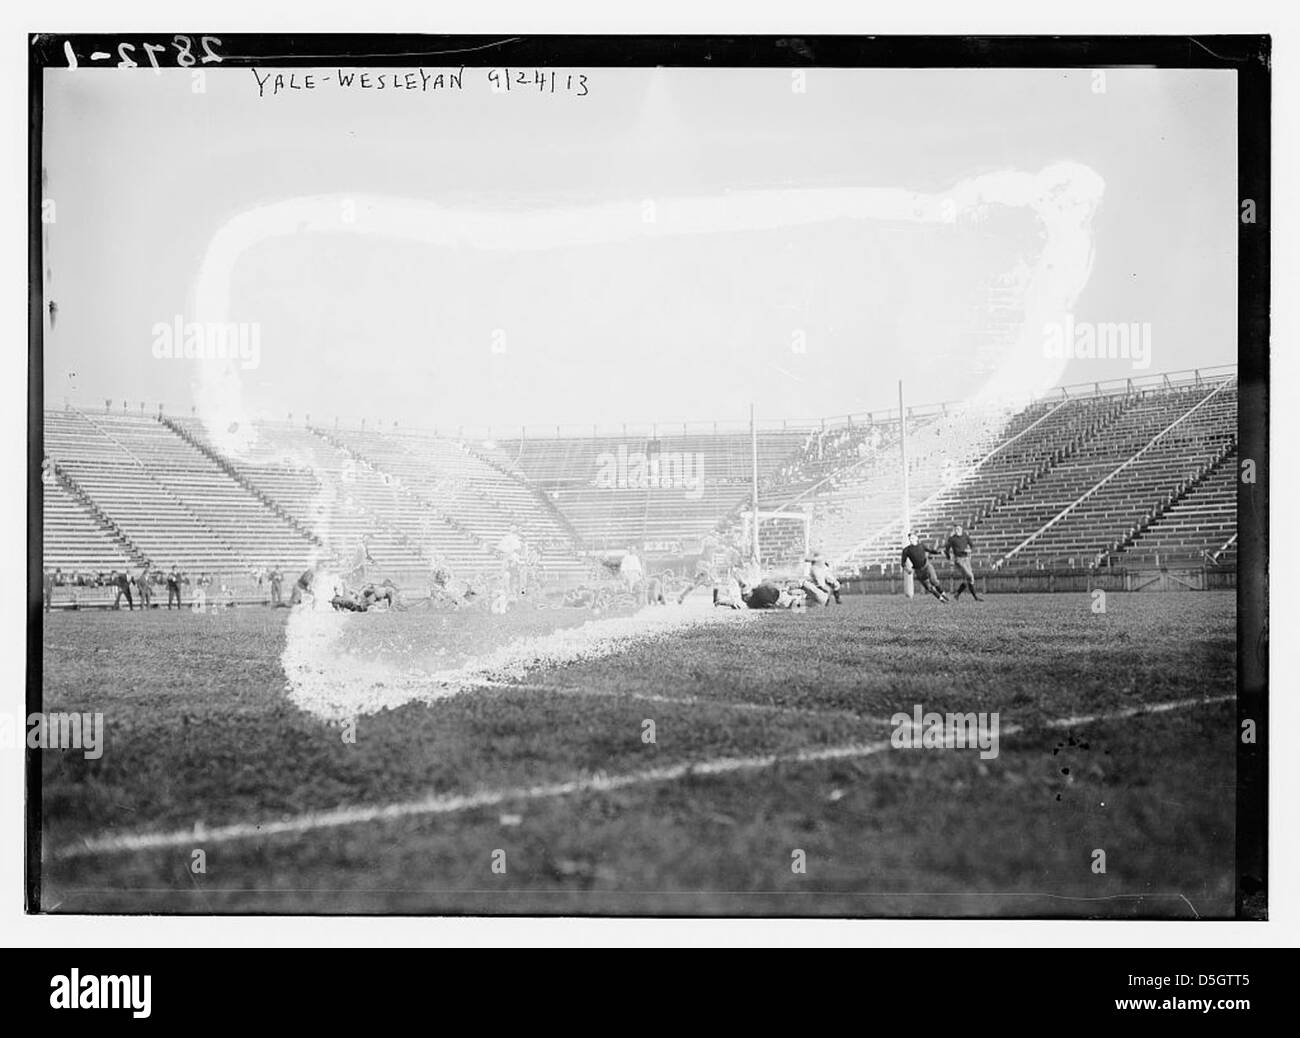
<point>667,476</point>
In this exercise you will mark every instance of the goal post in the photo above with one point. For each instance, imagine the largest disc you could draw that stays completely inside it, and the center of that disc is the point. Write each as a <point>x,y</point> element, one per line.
<point>909,578</point>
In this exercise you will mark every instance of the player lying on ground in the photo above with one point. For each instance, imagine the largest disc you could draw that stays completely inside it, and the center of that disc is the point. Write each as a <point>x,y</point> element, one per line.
<point>369,596</point>
<point>916,559</point>
<point>763,595</point>
<point>729,592</point>
<point>444,591</point>
<point>771,594</point>
<point>447,591</point>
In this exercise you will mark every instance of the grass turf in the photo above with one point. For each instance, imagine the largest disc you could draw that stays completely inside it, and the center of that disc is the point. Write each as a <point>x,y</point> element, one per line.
<point>198,729</point>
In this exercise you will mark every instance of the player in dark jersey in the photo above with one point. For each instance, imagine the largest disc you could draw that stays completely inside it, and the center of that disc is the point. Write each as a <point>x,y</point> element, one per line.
<point>763,595</point>
<point>958,550</point>
<point>916,556</point>
<point>345,601</point>
<point>144,583</point>
<point>174,587</point>
<point>122,582</point>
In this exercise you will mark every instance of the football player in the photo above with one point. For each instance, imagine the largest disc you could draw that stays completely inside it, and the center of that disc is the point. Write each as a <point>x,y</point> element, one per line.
<point>820,582</point>
<point>916,557</point>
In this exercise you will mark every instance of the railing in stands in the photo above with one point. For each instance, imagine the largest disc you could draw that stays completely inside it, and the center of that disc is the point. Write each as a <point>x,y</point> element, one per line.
<point>651,429</point>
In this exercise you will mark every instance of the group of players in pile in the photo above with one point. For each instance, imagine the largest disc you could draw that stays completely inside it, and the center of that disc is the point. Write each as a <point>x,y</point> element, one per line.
<point>734,583</point>
<point>747,588</point>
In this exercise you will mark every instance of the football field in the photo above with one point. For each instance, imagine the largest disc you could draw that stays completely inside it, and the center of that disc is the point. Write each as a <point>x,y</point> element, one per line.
<point>680,761</point>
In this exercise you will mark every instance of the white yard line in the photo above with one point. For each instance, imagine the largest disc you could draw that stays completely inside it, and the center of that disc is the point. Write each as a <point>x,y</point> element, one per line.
<point>650,697</point>
<point>314,821</point>
<point>1134,711</point>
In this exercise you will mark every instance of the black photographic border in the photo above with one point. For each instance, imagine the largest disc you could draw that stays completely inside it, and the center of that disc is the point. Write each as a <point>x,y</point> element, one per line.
<point>1248,55</point>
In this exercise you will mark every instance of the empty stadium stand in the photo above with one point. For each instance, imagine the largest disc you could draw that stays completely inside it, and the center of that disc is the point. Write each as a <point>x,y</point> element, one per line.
<point>595,481</point>
<point>1039,437</point>
<point>78,539</point>
<point>856,508</point>
<point>1199,526</point>
<point>165,499</point>
<point>1074,481</point>
<point>1117,481</point>
<point>345,502</point>
<point>469,491</point>
<point>1136,474</point>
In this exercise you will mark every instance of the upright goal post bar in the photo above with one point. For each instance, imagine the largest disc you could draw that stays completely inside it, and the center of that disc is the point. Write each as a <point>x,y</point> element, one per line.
<point>908,578</point>
<point>902,449</point>
<point>753,451</point>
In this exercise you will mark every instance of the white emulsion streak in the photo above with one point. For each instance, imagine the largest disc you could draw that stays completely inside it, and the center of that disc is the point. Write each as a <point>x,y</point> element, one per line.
<point>336,686</point>
<point>1063,196</point>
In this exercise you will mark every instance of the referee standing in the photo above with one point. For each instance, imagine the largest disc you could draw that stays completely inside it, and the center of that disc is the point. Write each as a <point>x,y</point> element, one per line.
<point>958,550</point>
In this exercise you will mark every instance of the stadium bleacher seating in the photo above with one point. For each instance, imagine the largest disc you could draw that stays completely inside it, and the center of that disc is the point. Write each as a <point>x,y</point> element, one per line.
<point>1132,476</point>
<point>472,492</point>
<point>1070,481</point>
<point>856,509</point>
<point>566,469</point>
<point>164,497</point>
<point>344,501</point>
<point>1201,526</point>
<point>1117,480</point>
<point>1035,439</point>
<point>77,539</point>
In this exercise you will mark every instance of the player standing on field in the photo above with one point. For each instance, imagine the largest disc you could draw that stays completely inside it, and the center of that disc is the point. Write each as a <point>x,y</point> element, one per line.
<point>143,583</point>
<point>630,571</point>
<point>958,551</point>
<point>511,547</point>
<point>122,582</point>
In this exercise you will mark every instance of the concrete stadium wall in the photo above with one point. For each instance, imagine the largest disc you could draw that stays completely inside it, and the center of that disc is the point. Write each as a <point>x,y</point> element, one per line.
<point>1163,579</point>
